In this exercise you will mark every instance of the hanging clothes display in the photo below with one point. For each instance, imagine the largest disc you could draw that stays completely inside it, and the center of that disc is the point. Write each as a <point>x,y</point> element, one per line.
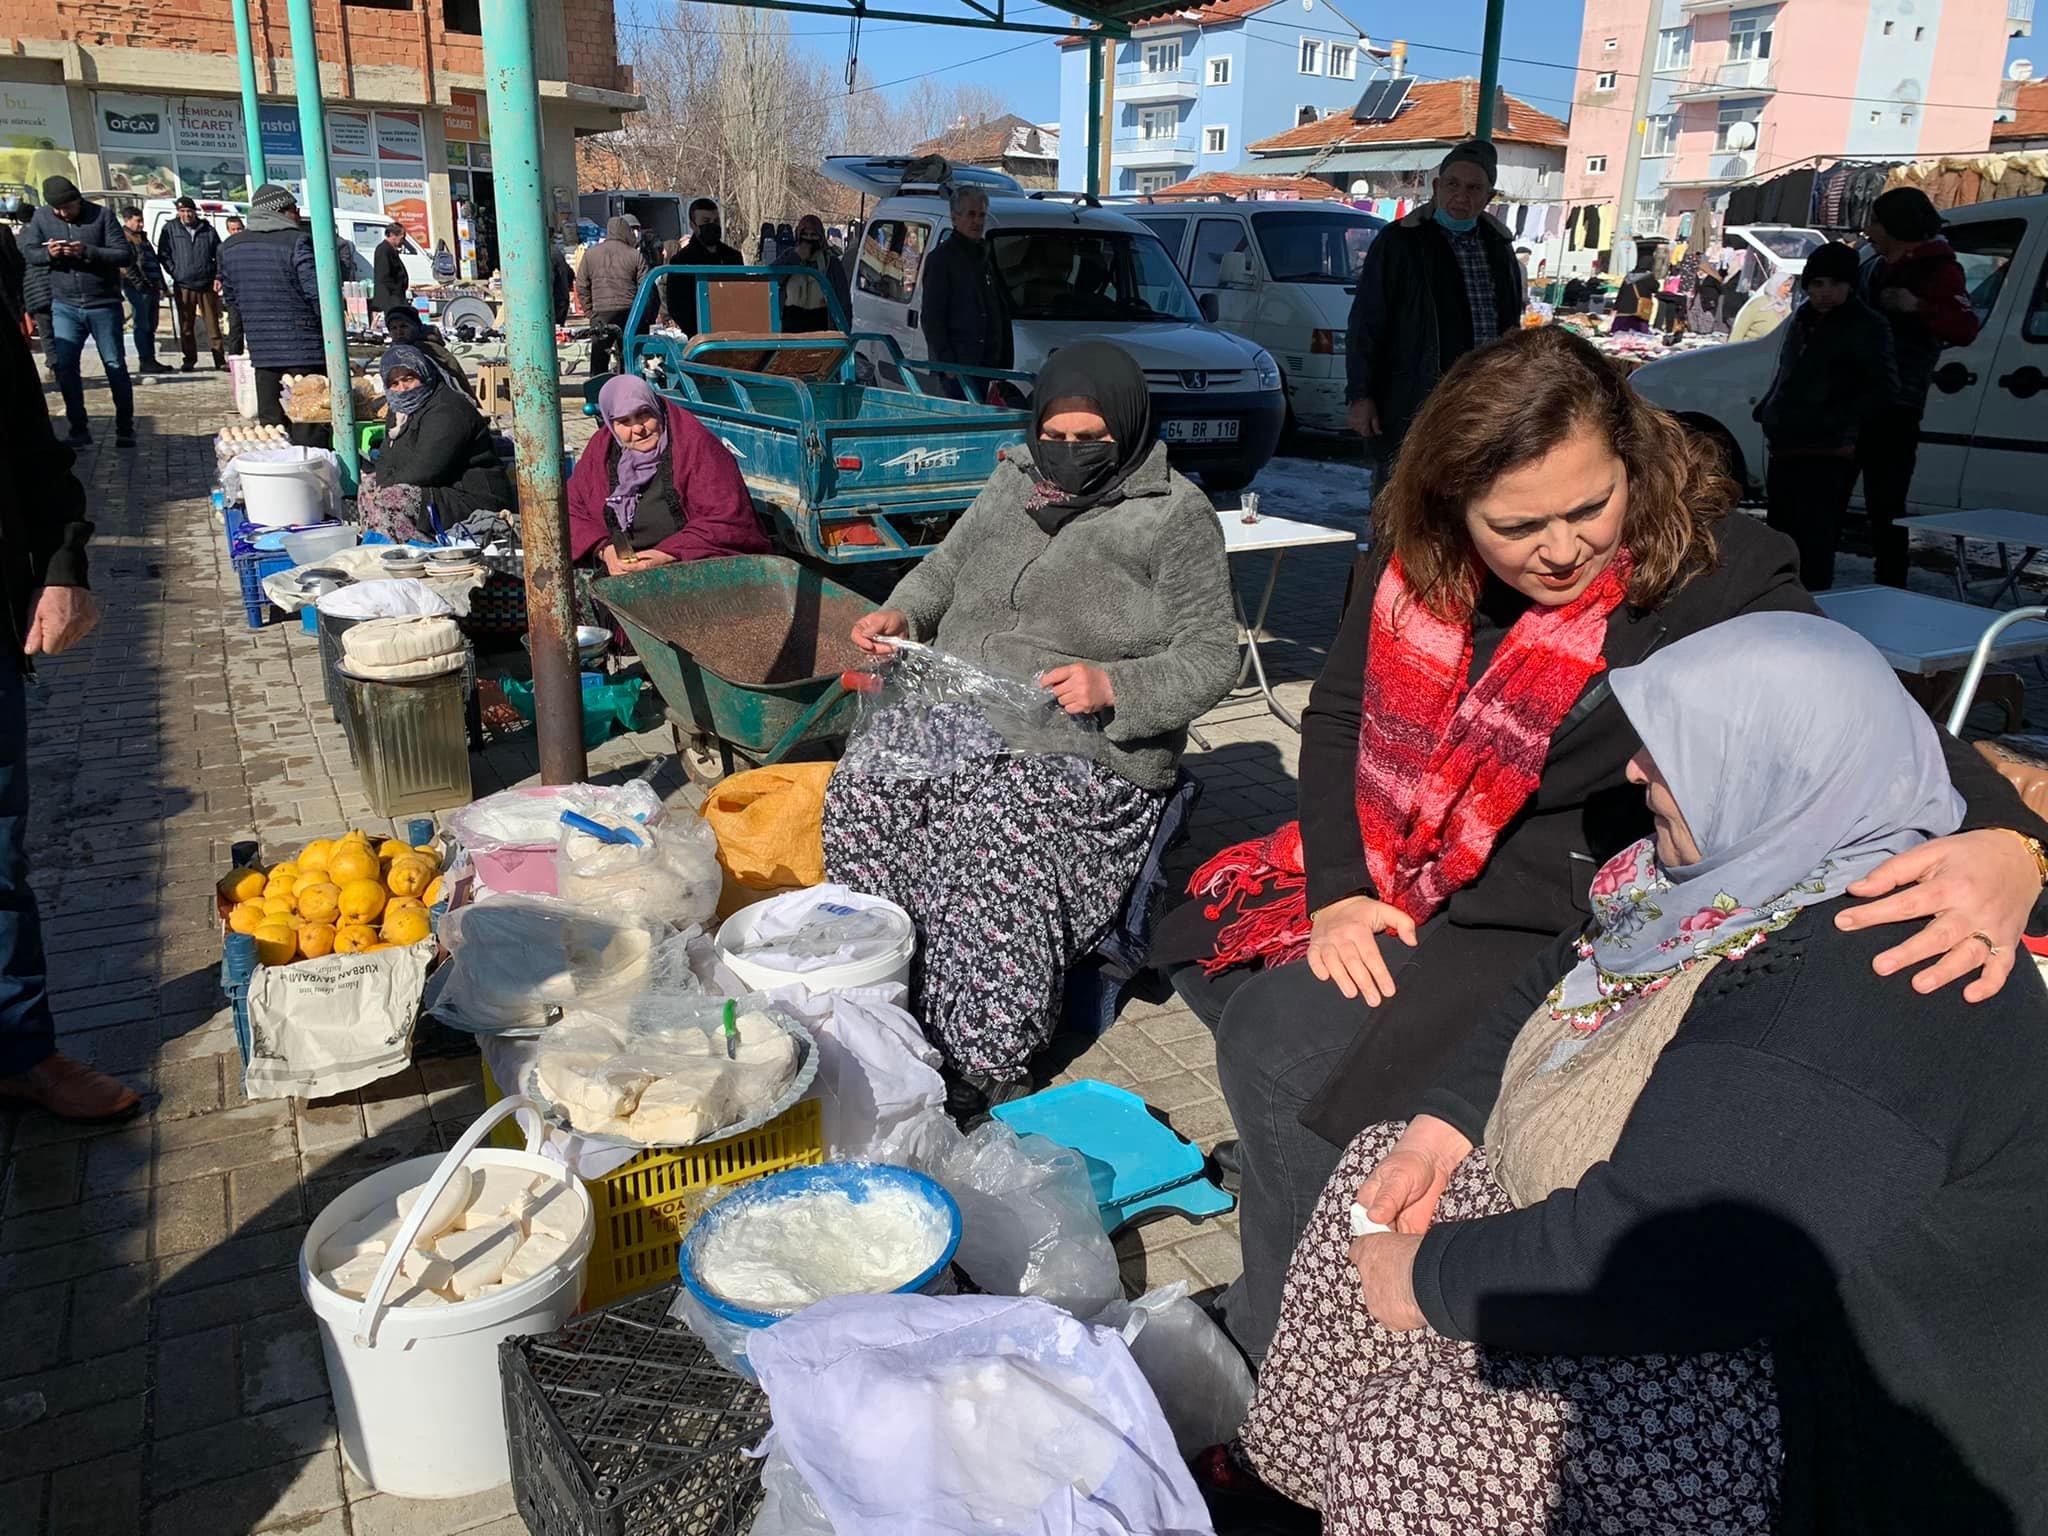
<point>1743,202</point>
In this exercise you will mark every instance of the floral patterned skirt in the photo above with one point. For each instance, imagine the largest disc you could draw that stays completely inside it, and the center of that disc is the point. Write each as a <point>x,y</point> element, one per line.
<point>399,512</point>
<point>1411,1433</point>
<point>1012,868</point>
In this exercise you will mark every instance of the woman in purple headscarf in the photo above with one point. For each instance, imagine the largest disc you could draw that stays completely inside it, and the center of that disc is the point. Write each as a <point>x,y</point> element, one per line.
<point>656,486</point>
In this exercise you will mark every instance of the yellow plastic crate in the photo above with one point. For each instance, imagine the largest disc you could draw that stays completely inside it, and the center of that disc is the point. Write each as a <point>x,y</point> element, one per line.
<point>644,1207</point>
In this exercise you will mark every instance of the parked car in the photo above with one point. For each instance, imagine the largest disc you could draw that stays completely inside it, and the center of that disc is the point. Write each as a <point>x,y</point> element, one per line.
<point>365,231</point>
<point>1075,271</point>
<point>1984,439</point>
<point>1281,275</point>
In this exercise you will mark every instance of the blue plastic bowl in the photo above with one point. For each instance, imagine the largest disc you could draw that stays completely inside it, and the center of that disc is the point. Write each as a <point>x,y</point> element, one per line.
<point>857,1180</point>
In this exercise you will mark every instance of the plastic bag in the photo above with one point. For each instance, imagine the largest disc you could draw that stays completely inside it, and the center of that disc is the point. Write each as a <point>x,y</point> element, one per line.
<point>728,1341</point>
<point>399,598</point>
<point>825,926</point>
<point>610,706</point>
<point>672,873</point>
<point>532,817</point>
<point>927,714</point>
<point>971,1414</point>
<point>284,453</point>
<point>770,828</point>
<point>515,961</point>
<point>1203,1384</point>
<point>876,1070</point>
<point>787,1507</point>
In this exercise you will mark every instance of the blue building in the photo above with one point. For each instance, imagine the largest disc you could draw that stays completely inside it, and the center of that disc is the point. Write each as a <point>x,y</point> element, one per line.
<point>1195,86</point>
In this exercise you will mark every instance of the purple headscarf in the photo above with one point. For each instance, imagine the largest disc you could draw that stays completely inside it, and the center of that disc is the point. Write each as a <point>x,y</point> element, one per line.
<point>628,395</point>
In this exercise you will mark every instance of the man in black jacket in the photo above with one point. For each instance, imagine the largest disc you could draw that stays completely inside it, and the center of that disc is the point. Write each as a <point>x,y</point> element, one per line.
<point>44,609</point>
<point>83,250</point>
<point>143,278</point>
<point>387,268</point>
<point>189,250</point>
<point>1439,283</point>
<point>706,247</point>
<point>268,277</point>
<point>966,319</point>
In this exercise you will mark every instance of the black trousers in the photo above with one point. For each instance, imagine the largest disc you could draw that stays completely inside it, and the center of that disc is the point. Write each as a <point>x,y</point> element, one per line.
<point>270,411</point>
<point>601,339</point>
<point>1886,453</point>
<point>1808,495</point>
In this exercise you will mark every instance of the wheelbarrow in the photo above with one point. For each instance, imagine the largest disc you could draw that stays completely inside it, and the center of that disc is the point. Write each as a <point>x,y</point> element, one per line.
<point>746,653</point>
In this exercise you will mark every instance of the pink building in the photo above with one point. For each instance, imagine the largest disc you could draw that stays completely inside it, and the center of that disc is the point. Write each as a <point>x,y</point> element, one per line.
<point>1739,89</point>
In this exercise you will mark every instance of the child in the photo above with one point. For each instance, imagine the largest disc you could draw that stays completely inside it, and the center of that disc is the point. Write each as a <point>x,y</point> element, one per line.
<point>1835,372</point>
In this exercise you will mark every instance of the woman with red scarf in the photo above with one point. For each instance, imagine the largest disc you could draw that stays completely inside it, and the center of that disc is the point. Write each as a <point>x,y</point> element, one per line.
<point>1462,770</point>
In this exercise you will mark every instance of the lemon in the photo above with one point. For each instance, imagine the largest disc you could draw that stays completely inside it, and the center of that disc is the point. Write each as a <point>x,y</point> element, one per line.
<point>276,944</point>
<point>306,880</point>
<point>404,925</point>
<point>241,884</point>
<point>409,875</point>
<point>287,872</point>
<point>247,916</point>
<point>320,902</point>
<point>351,862</point>
<point>432,893</point>
<point>361,901</point>
<point>428,852</point>
<point>316,853</point>
<point>279,906</point>
<point>354,938</point>
<point>316,939</point>
<point>391,848</point>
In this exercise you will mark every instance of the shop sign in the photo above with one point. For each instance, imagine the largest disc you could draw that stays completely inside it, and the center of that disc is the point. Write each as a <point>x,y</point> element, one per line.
<point>280,124</point>
<point>209,126</point>
<point>132,122</point>
<point>405,199</point>
<point>140,176</point>
<point>400,137</point>
<point>348,133</point>
<point>355,187</point>
<point>466,118</point>
<point>35,137</point>
<point>458,154</point>
<point>221,177</point>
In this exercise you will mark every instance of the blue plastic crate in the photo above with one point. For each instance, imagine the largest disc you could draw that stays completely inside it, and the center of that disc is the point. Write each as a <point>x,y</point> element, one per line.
<point>252,568</point>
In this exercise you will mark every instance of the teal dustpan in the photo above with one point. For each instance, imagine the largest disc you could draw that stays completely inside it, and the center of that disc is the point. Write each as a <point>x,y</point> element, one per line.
<point>1140,1167</point>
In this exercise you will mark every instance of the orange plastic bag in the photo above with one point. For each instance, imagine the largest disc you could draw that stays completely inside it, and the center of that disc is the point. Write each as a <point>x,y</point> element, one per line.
<point>770,826</point>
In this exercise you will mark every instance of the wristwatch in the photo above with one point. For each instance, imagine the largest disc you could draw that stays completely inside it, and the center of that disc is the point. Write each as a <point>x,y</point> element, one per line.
<point>2033,846</point>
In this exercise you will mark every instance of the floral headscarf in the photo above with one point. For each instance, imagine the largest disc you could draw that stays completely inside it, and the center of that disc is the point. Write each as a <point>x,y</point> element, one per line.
<point>1800,765</point>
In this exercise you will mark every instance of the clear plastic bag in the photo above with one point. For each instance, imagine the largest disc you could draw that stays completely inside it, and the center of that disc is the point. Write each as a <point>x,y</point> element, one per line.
<point>516,961</point>
<point>824,926</point>
<point>1202,1382</point>
<point>788,1507</point>
<point>532,817</point>
<point>928,714</point>
<point>671,873</point>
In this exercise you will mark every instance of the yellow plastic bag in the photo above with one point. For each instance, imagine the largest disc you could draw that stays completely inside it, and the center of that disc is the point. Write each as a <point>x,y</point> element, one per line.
<point>770,826</point>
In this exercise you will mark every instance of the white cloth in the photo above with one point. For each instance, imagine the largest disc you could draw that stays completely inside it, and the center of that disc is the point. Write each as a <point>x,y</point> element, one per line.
<point>876,1070</point>
<point>822,927</point>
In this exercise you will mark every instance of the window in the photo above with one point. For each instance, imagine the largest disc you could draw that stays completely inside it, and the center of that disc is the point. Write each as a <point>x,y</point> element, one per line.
<point>1156,123</point>
<point>1215,141</point>
<point>1303,116</point>
<point>1986,251</point>
<point>1610,45</point>
<point>1649,219</point>
<point>1343,61</point>
<point>1877,114</point>
<point>1219,71</point>
<point>1170,232</point>
<point>1595,164</point>
<point>1887,29</point>
<point>1728,117</point>
<point>1604,81</point>
<point>1088,275</point>
<point>1905,117</point>
<point>464,16</point>
<point>1311,56</point>
<point>1214,240</point>
<point>380,5</point>
<point>1153,181</point>
<point>1919,34</point>
<point>1660,135</point>
<point>1749,37</point>
<point>2036,327</point>
<point>1162,58</point>
<point>1674,48</point>
<point>1315,248</point>
<point>890,256</point>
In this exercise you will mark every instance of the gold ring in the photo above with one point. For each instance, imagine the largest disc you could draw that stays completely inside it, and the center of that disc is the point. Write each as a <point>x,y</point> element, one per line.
<point>1985,940</point>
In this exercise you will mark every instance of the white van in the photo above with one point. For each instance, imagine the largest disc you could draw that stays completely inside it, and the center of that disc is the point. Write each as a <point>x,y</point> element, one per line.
<point>1281,275</point>
<point>365,231</point>
<point>1984,438</point>
<point>1075,271</point>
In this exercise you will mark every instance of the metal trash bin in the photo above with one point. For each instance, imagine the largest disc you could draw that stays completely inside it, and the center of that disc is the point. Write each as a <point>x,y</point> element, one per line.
<point>409,741</point>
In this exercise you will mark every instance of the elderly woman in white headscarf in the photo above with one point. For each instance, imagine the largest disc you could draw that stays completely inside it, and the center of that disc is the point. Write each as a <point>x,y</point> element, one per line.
<point>1711,1228</point>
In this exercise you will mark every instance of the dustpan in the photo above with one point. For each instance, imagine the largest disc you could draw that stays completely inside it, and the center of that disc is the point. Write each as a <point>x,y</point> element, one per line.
<point>1139,1166</point>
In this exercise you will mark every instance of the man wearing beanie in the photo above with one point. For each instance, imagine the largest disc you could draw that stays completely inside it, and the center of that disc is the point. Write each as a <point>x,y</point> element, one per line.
<point>83,249</point>
<point>268,277</point>
<point>1437,284</point>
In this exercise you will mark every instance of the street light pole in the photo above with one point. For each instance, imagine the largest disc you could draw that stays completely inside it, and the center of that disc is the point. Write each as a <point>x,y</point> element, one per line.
<point>1489,68</point>
<point>510,79</point>
<point>252,124</point>
<point>1092,178</point>
<point>320,196</point>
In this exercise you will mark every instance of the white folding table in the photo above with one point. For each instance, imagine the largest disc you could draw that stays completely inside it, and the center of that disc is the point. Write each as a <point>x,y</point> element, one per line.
<point>1923,636</point>
<point>1274,536</point>
<point>2007,528</point>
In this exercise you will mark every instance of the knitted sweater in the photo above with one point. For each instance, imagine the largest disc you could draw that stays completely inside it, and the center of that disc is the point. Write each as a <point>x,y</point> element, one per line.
<point>1139,588</point>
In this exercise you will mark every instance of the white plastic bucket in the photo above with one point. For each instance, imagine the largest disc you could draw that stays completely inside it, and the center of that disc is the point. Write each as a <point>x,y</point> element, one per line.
<point>882,970</point>
<point>283,493</point>
<point>416,1393</point>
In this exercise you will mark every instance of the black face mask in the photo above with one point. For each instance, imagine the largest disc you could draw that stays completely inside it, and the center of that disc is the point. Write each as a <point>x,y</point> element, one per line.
<point>1078,468</point>
<point>709,233</point>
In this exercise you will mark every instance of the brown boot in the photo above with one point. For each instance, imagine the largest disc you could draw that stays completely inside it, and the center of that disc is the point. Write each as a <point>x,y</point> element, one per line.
<point>70,1090</point>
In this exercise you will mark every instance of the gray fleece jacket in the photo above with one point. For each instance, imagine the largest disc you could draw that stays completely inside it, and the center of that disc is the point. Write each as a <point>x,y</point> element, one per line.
<point>1139,588</point>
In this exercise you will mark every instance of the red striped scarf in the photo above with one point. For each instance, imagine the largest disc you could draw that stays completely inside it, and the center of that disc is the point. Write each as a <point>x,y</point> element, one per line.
<point>1441,768</point>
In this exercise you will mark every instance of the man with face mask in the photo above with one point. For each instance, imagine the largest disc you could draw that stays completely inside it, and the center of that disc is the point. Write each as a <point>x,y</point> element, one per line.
<point>1439,283</point>
<point>706,247</point>
<point>804,305</point>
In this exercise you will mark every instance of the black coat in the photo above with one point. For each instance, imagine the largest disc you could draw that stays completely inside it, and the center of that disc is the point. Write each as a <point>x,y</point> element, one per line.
<point>1411,319</point>
<point>1825,1160</point>
<point>268,277</point>
<point>35,281</point>
<point>190,257</point>
<point>1583,811</point>
<point>91,281</point>
<point>387,270</point>
<point>680,293</point>
<point>1835,374</point>
<point>43,526</point>
<point>446,450</point>
<point>965,316</point>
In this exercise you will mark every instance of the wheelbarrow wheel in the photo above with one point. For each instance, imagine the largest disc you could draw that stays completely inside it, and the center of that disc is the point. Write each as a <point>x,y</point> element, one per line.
<point>705,758</point>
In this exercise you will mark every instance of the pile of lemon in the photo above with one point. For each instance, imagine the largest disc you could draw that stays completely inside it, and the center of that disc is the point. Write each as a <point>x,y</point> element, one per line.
<point>331,898</point>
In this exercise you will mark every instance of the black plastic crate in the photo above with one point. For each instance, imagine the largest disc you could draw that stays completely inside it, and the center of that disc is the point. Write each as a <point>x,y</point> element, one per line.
<point>622,1424</point>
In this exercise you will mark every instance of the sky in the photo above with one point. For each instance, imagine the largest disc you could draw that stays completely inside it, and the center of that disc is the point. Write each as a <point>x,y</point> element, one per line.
<point>1539,47</point>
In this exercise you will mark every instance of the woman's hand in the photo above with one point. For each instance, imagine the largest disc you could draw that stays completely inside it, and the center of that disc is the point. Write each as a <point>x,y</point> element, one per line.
<point>1342,949</point>
<point>1402,1190</point>
<point>613,564</point>
<point>1385,1262</point>
<point>647,559</point>
<point>870,629</point>
<point>1971,883</point>
<point>1080,688</point>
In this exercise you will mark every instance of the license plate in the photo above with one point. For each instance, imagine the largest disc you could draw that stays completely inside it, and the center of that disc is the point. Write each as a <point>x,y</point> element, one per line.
<point>1200,430</point>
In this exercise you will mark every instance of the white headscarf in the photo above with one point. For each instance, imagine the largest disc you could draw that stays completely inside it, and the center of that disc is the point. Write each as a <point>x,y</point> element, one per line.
<point>1800,765</point>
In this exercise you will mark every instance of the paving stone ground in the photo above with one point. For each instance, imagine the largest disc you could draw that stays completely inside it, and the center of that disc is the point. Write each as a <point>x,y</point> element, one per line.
<point>148,1296</point>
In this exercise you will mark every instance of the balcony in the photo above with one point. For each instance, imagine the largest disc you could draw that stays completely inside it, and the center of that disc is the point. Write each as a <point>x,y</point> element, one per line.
<point>1740,77</point>
<point>1137,83</point>
<point>1139,150</point>
<point>1723,167</point>
<point>2019,18</point>
<point>1716,7</point>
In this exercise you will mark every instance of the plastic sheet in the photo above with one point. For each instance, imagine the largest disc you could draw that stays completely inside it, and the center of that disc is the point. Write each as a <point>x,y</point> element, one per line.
<point>788,1507</point>
<point>1203,1385</point>
<point>876,1070</point>
<point>532,818</point>
<point>671,874</point>
<point>516,961</point>
<point>827,926</point>
<point>928,714</point>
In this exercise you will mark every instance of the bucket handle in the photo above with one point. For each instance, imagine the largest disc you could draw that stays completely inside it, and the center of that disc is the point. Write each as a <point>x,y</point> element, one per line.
<point>409,1229</point>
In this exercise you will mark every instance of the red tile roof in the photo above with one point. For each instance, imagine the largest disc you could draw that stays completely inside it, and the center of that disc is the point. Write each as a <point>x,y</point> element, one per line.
<point>1204,13</point>
<point>983,143</point>
<point>1211,183</point>
<point>2031,115</point>
<point>1436,112</point>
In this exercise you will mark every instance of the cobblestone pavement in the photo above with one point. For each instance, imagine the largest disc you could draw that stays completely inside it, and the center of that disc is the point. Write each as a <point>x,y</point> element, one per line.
<point>150,1296</point>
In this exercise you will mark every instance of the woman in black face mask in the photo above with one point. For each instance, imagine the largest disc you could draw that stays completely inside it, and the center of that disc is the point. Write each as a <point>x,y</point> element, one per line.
<point>1090,568</point>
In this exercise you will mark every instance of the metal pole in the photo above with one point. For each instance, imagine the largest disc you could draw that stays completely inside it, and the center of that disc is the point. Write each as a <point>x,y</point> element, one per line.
<point>1092,181</point>
<point>320,195</point>
<point>252,125</point>
<point>1489,67</point>
<point>510,80</point>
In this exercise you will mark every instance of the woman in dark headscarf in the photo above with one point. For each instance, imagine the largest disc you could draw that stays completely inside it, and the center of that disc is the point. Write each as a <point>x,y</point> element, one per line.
<point>438,467</point>
<point>1087,568</point>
